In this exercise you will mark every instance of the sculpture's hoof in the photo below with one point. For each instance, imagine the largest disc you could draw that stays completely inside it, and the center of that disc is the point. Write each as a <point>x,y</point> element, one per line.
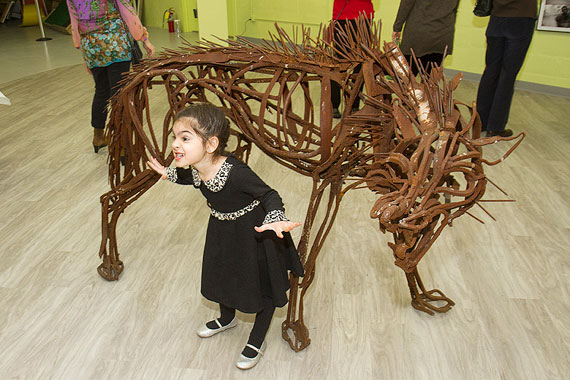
<point>300,339</point>
<point>110,272</point>
<point>428,301</point>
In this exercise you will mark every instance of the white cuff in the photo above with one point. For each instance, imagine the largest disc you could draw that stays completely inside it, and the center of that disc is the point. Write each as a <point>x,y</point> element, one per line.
<point>275,216</point>
<point>171,174</point>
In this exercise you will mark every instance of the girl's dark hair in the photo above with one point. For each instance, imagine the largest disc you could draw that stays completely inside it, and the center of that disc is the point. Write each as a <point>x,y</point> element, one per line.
<point>210,121</point>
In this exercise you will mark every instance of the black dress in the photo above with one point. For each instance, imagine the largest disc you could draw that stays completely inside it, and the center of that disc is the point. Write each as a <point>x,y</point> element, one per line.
<point>241,265</point>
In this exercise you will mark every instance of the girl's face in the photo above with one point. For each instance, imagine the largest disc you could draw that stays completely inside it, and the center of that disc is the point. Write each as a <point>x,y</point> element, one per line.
<point>188,147</point>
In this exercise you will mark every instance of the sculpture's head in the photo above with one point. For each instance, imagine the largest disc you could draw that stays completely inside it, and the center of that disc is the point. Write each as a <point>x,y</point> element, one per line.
<point>433,172</point>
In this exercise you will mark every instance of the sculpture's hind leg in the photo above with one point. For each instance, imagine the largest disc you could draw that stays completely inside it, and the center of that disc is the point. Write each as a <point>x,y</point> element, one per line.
<point>111,267</point>
<point>427,300</point>
<point>293,328</point>
<point>114,203</point>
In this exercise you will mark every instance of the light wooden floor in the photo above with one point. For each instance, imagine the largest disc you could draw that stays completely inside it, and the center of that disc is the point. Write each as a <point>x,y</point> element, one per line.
<point>60,320</point>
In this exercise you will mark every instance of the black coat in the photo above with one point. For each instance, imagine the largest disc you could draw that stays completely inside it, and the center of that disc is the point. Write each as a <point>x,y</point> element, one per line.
<point>429,26</point>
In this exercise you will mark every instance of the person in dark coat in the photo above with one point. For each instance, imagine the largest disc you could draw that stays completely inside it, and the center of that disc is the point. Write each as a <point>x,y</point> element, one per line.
<point>248,250</point>
<point>429,28</point>
<point>509,33</point>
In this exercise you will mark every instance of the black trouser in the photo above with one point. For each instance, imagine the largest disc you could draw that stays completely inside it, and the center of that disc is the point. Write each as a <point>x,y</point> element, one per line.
<point>106,85</point>
<point>508,39</point>
<point>341,25</point>
<point>425,61</point>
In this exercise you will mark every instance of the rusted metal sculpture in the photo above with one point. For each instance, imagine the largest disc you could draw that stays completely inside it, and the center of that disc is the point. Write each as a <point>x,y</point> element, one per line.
<point>408,143</point>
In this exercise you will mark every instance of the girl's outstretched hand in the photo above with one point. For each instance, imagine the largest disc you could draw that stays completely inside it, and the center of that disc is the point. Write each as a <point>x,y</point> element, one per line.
<point>157,167</point>
<point>278,227</point>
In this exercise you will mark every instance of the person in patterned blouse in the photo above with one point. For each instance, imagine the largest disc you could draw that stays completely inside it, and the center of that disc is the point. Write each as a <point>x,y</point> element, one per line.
<point>102,29</point>
<point>248,250</point>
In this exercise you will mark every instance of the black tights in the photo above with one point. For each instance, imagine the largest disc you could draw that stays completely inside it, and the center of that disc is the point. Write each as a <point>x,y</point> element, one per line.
<point>260,326</point>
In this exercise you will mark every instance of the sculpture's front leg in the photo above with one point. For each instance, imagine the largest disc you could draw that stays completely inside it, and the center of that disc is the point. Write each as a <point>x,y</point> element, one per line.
<point>427,300</point>
<point>115,202</point>
<point>408,249</point>
<point>294,330</point>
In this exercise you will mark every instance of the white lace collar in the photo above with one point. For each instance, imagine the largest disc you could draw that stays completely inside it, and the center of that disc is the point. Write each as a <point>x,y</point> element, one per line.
<point>218,182</point>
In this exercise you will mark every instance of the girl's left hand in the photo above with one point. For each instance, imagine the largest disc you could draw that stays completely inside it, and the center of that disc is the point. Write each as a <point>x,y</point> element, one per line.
<point>278,227</point>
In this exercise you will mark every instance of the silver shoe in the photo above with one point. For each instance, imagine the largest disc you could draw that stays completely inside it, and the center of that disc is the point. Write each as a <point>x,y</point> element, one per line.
<point>246,363</point>
<point>206,332</point>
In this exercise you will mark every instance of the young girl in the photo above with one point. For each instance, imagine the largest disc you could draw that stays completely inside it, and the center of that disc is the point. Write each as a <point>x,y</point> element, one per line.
<point>248,247</point>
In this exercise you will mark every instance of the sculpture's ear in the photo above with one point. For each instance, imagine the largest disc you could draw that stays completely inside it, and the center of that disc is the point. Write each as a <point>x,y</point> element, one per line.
<point>455,81</point>
<point>403,122</point>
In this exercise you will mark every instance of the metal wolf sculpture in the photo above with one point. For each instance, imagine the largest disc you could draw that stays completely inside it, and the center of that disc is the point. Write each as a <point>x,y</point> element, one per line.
<point>409,143</point>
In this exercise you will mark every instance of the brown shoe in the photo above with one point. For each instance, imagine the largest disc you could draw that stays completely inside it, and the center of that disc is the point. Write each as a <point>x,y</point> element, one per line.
<point>99,140</point>
<point>503,133</point>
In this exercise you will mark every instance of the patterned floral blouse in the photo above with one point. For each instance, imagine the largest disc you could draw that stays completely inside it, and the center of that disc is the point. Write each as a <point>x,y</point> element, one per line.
<point>101,29</point>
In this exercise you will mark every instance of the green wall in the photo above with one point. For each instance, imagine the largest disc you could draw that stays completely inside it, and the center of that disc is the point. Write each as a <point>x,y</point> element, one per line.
<point>213,20</point>
<point>257,18</point>
<point>238,16</point>
<point>153,10</point>
<point>547,61</point>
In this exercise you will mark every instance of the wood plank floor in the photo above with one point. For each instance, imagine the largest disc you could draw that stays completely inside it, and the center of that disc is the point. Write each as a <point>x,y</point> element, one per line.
<point>60,320</point>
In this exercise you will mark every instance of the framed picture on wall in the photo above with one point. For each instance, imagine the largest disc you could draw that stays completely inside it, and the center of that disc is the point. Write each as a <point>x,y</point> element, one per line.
<point>554,15</point>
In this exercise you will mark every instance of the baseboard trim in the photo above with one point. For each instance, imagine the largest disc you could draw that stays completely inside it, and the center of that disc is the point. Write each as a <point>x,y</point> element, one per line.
<point>519,85</point>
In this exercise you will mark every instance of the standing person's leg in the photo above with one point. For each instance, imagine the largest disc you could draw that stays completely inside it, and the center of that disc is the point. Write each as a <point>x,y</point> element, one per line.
<point>356,104</point>
<point>99,104</point>
<point>489,79</point>
<point>117,72</point>
<point>102,93</point>
<point>353,30</point>
<point>335,99</point>
<point>335,87</point>
<point>515,50</point>
<point>428,60</point>
<point>412,64</point>
<point>106,85</point>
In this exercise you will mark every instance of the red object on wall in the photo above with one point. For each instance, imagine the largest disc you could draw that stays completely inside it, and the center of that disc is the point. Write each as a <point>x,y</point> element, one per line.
<point>169,17</point>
